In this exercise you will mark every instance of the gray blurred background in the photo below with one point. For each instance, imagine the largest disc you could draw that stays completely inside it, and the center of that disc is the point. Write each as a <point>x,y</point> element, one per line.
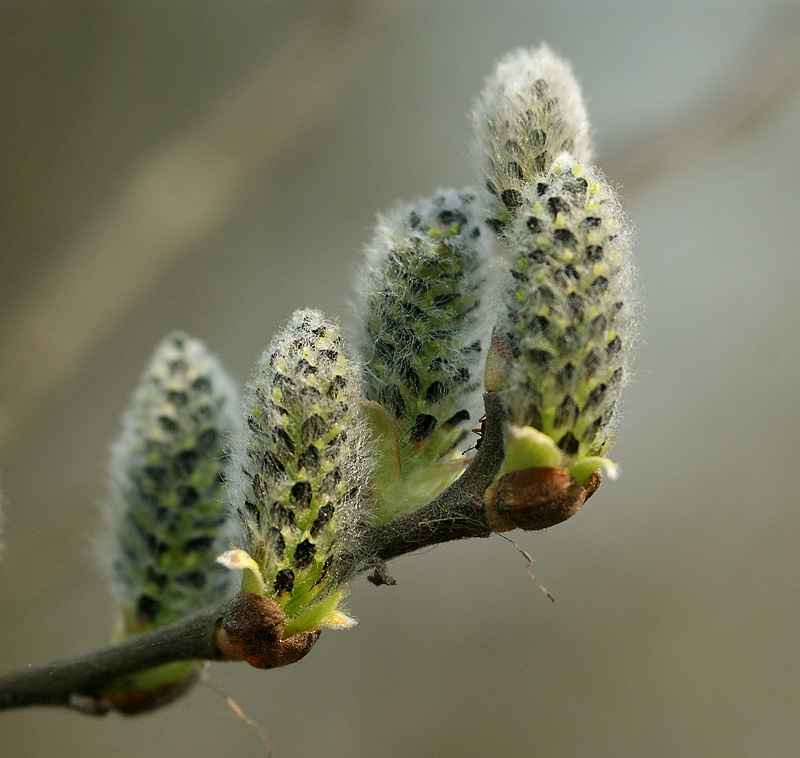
<point>214,166</point>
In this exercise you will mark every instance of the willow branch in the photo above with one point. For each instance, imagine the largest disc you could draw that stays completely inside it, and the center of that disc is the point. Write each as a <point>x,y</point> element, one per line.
<point>83,682</point>
<point>80,682</point>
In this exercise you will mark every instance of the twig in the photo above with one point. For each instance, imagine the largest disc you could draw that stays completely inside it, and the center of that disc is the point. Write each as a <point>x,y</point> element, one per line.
<point>243,629</point>
<point>79,682</point>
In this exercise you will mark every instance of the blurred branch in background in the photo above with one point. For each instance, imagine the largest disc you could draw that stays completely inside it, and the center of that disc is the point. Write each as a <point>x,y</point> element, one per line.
<point>758,83</point>
<point>178,196</point>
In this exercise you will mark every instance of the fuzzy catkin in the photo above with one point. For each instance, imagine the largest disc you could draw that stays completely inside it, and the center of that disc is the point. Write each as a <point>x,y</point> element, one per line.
<point>568,322</point>
<point>299,466</point>
<point>529,111</point>
<point>421,294</point>
<point>167,498</point>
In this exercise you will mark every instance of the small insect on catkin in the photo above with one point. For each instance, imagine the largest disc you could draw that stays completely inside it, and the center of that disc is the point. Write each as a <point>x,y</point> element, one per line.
<point>297,471</point>
<point>167,507</point>
<point>420,298</point>
<point>568,321</point>
<point>530,111</point>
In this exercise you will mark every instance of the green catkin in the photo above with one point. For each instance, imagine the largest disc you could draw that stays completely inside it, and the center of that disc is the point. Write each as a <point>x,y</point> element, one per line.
<point>529,111</point>
<point>568,321</point>
<point>298,470</point>
<point>420,299</point>
<point>167,498</point>
<point>167,508</point>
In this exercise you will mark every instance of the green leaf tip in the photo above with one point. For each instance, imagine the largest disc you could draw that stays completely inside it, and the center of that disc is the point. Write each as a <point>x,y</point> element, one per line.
<point>526,447</point>
<point>583,468</point>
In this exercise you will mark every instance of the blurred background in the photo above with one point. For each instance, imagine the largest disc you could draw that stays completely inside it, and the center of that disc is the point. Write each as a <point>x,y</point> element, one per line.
<point>214,166</point>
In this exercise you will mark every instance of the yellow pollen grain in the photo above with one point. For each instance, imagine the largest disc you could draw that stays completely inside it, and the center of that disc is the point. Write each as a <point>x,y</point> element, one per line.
<point>600,269</point>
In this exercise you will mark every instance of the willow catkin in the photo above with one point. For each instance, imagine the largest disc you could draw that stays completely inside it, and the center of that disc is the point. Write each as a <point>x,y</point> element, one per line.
<point>530,111</point>
<point>299,468</point>
<point>167,499</point>
<point>568,321</point>
<point>423,333</point>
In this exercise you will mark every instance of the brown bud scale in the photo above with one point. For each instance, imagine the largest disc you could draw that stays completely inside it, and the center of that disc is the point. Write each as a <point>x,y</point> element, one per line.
<point>252,630</point>
<point>535,498</point>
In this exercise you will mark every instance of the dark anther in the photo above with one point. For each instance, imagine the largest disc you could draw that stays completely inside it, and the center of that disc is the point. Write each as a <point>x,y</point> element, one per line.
<point>168,424</point>
<point>338,383</point>
<point>436,392</point>
<point>424,424</point>
<point>322,519</point>
<point>511,198</point>
<point>596,396</point>
<point>195,579</point>
<point>198,544</point>
<point>457,418</point>
<point>391,398</point>
<point>594,253</point>
<point>566,413</point>
<point>538,138</point>
<point>495,224</point>
<point>569,444</point>
<point>300,495</point>
<point>313,427</point>
<point>514,171</point>
<point>281,515</point>
<point>539,357</point>
<point>185,462</point>
<point>207,439</point>
<point>277,540</point>
<point>272,464</point>
<point>304,554</point>
<point>449,217</point>
<point>565,237</point>
<point>147,607</point>
<point>330,480</point>
<point>284,581</point>
<point>283,443</point>
<point>558,205</point>
<point>309,459</point>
